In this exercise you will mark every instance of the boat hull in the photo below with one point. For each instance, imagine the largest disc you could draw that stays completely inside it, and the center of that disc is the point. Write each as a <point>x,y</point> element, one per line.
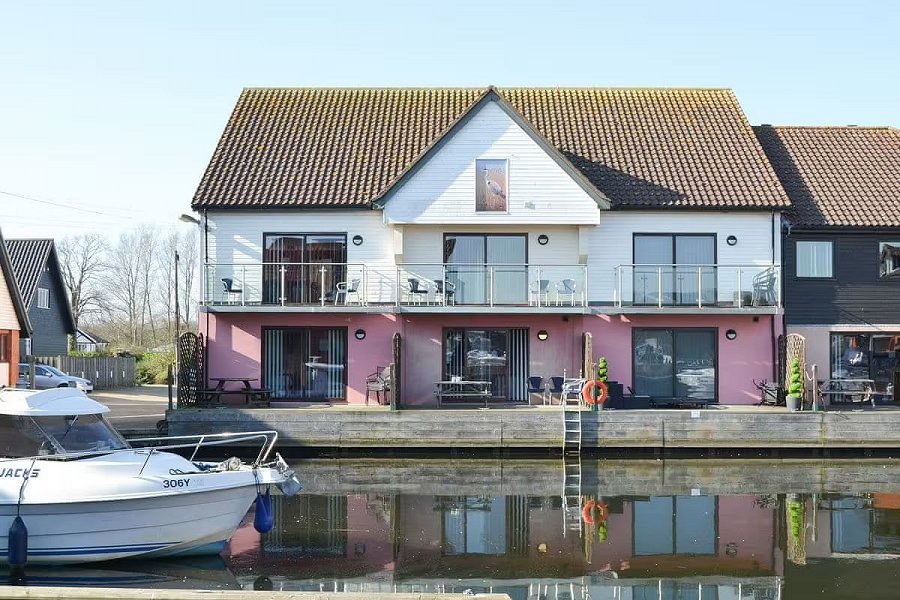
<point>80,532</point>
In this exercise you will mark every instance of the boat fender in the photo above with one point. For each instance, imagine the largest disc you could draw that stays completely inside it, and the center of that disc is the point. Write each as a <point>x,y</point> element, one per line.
<point>18,543</point>
<point>262,520</point>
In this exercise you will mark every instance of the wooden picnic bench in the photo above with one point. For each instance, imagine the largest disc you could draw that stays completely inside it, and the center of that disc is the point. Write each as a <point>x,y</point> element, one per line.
<point>254,397</point>
<point>840,391</point>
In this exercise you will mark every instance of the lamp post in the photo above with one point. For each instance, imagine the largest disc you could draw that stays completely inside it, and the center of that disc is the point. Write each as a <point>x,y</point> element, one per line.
<point>201,230</point>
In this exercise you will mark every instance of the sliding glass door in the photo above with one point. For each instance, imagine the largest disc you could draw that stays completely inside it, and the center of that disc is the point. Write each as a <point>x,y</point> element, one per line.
<point>499,356</point>
<point>305,363</point>
<point>487,268</point>
<point>312,264</point>
<point>675,363</point>
<point>674,269</point>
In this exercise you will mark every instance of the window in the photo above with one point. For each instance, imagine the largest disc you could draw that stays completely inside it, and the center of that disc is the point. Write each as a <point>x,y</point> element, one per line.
<point>814,259</point>
<point>866,356</point>
<point>4,347</point>
<point>305,363</point>
<point>671,269</point>
<point>675,363</point>
<point>487,268</point>
<point>43,298</point>
<point>496,355</point>
<point>889,259</point>
<point>307,265</point>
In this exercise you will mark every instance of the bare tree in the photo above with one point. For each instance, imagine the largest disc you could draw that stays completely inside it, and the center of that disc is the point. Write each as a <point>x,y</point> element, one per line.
<point>188,271</point>
<point>81,258</point>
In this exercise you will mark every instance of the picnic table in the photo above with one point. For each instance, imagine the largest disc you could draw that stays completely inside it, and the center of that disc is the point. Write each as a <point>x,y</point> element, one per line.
<point>252,396</point>
<point>837,391</point>
<point>462,389</point>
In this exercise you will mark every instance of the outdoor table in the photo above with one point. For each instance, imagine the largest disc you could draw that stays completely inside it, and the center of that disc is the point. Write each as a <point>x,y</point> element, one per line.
<point>462,389</point>
<point>847,390</point>
<point>252,396</point>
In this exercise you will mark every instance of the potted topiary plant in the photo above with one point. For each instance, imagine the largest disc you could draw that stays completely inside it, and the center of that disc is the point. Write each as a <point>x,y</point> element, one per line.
<point>795,386</point>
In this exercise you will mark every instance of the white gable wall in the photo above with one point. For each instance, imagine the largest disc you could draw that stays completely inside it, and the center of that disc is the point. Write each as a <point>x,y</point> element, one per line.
<point>442,190</point>
<point>8,318</point>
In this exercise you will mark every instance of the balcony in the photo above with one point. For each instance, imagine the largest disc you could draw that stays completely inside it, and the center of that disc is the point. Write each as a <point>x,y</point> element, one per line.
<point>417,287</point>
<point>646,287</point>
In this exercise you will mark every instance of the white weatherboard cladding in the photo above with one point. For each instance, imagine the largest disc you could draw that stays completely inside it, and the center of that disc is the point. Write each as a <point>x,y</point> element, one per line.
<point>237,237</point>
<point>442,190</point>
<point>8,318</point>
<point>611,244</point>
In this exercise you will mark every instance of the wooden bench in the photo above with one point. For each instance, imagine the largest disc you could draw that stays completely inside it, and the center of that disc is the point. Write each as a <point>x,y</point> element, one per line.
<point>256,397</point>
<point>209,398</point>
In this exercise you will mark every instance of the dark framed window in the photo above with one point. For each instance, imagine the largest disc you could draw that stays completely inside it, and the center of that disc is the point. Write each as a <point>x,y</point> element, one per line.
<point>674,268</point>
<point>865,356</point>
<point>303,268</point>
<point>5,338</point>
<point>815,259</point>
<point>496,355</point>
<point>305,363</point>
<point>674,363</point>
<point>889,259</point>
<point>675,525</point>
<point>487,268</point>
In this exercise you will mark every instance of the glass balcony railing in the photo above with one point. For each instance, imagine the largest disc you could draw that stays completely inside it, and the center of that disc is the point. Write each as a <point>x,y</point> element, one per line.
<point>680,285</point>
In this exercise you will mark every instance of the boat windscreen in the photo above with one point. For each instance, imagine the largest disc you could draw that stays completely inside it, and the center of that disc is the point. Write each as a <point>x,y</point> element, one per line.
<point>84,433</point>
<point>20,437</point>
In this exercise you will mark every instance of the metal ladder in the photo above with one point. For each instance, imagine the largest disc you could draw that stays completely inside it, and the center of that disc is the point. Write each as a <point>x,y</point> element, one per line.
<point>572,463</point>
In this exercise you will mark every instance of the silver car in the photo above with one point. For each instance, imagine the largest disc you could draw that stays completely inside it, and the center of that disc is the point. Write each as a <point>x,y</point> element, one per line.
<point>46,377</point>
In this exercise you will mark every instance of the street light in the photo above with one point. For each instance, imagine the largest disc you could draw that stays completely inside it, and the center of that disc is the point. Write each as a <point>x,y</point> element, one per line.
<point>189,219</point>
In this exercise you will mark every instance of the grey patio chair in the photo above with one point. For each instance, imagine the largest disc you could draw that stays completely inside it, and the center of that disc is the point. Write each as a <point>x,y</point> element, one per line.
<point>345,289</point>
<point>539,292</point>
<point>417,290</point>
<point>230,289</point>
<point>566,289</point>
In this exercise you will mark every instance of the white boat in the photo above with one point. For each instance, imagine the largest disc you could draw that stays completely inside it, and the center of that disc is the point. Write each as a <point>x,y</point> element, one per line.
<point>84,494</point>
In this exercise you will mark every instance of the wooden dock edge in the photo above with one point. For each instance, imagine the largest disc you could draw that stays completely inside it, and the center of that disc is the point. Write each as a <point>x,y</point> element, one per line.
<point>543,428</point>
<point>67,593</point>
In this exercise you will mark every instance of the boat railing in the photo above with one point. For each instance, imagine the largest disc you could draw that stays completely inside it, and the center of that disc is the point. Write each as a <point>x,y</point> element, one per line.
<point>268,437</point>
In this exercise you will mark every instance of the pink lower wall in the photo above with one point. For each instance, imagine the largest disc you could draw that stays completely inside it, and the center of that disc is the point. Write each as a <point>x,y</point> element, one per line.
<point>235,346</point>
<point>747,357</point>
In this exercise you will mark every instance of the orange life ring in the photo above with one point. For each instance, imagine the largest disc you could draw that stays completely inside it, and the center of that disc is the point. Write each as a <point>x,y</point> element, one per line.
<point>587,391</point>
<point>587,512</point>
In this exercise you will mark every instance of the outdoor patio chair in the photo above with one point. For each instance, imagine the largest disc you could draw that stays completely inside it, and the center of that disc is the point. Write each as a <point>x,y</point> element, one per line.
<point>566,289</point>
<point>230,290</point>
<point>417,290</point>
<point>572,387</point>
<point>539,292</point>
<point>764,288</point>
<point>556,387</point>
<point>380,383</point>
<point>536,386</point>
<point>445,290</point>
<point>346,289</point>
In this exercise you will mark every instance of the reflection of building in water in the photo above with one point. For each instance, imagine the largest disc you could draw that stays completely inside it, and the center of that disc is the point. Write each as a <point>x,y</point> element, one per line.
<point>653,547</point>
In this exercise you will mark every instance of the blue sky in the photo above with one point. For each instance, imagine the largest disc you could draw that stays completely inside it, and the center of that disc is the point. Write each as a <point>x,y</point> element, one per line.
<point>112,109</point>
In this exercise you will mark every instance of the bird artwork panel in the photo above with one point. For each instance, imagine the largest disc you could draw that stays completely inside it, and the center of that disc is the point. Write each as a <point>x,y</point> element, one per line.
<point>491,185</point>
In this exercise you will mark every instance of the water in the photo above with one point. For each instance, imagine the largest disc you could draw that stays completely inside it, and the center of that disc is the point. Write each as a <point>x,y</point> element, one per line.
<point>667,530</point>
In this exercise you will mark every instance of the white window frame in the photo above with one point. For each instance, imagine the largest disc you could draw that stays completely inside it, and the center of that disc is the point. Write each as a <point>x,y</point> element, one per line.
<point>805,267</point>
<point>43,298</point>
<point>884,273</point>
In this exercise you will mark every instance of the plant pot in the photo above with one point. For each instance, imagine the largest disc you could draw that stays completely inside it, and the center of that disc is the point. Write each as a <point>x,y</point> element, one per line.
<point>793,403</point>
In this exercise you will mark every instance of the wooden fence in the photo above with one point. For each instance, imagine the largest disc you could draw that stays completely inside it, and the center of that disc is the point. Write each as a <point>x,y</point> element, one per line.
<point>106,372</point>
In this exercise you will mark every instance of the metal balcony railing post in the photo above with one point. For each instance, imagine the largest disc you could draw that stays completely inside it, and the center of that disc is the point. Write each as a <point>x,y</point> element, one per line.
<point>539,291</point>
<point>397,285</point>
<point>659,287</point>
<point>281,291</point>
<point>491,285</point>
<point>443,284</point>
<point>620,290</point>
<point>243,282</point>
<point>584,290</point>
<point>699,287</point>
<point>777,271</point>
<point>322,287</point>
<point>740,289</point>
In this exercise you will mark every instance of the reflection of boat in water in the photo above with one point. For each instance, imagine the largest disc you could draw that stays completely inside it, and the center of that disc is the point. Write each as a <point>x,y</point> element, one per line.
<point>83,494</point>
<point>484,358</point>
<point>197,573</point>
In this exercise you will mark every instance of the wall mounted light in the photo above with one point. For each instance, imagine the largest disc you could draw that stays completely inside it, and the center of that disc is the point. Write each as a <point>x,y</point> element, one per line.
<point>543,335</point>
<point>731,549</point>
<point>731,334</point>
<point>357,240</point>
<point>543,239</point>
<point>359,548</point>
<point>731,240</point>
<point>360,334</point>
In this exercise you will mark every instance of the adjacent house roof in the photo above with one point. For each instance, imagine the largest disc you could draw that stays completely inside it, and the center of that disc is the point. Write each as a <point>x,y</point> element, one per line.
<point>837,176</point>
<point>29,258</point>
<point>6,270</point>
<point>640,148</point>
<point>93,338</point>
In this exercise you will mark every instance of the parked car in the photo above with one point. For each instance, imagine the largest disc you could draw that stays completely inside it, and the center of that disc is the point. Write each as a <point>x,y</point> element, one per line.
<point>46,377</point>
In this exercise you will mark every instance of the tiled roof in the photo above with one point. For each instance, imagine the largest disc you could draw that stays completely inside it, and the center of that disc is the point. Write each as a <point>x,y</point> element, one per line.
<point>837,176</point>
<point>28,258</point>
<point>643,148</point>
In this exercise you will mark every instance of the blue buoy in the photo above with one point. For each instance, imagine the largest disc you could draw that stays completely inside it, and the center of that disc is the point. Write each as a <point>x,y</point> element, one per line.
<point>18,543</point>
<point>262,520</point>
